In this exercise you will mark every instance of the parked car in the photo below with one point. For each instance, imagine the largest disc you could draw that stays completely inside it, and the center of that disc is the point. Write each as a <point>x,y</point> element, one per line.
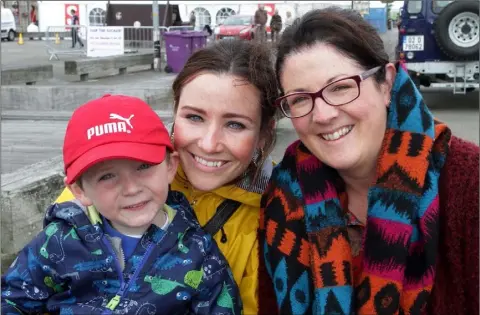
<point>236,26</point>
<point>439,43</point>
<point>9,28</point>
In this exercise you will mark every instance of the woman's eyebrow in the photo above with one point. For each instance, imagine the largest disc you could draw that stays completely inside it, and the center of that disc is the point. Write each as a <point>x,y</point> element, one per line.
<point>196,109</point>
<point>235,115</point>
<point>326,83</point>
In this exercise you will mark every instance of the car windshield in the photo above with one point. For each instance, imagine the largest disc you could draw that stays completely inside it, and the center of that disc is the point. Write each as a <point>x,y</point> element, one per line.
<point>237,20</point>
<point>438,5</point>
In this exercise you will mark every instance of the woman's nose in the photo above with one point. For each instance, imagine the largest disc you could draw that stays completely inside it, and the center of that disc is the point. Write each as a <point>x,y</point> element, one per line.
<point>322,112</point>
<point>210,142</point>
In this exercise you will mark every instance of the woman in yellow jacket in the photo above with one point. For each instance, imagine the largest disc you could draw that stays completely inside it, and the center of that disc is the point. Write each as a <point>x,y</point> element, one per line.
<point>223,131</point>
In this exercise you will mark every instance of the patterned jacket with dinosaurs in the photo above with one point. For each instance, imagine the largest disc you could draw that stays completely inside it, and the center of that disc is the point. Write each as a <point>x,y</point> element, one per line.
<point>73,267</point>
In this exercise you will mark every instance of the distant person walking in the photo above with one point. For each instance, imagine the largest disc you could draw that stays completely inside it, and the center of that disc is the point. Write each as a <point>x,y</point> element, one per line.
<point>74,31</point>
<point>33,15</point>
<point>193,19</point>
<point>177,21</point>
<point>289,19</point>
<point>260,20</point>
<point>275,26</point>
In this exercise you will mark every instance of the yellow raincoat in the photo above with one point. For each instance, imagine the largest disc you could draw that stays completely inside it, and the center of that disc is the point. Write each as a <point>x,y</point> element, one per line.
<point>241,248</point>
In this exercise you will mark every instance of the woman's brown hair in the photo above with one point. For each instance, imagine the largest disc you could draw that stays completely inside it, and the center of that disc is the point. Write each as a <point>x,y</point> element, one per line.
<point>245,59</point>
<point>343,29</point>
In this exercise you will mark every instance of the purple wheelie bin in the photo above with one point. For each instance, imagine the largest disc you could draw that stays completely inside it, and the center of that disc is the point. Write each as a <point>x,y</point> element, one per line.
<point>180,45</point>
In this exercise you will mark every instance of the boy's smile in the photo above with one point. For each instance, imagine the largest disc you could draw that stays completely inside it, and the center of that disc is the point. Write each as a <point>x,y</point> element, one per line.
<point>128,193</point>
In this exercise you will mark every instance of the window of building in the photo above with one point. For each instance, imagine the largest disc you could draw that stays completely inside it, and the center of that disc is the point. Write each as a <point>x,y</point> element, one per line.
<point>202,17</point>
<point>223,13</point>
<point>96,17</point>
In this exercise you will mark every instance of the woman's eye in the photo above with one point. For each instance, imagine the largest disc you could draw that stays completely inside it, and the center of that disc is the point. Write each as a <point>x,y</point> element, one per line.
<point>236,125</point>
<point>145,166</point>
<point>341,87</point>
<point>300,99</point>
<point>195,118</point>
<point>106,177</point>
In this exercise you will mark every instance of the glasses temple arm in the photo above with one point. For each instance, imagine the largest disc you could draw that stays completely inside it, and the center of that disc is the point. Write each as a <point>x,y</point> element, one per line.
<point>369,73</point>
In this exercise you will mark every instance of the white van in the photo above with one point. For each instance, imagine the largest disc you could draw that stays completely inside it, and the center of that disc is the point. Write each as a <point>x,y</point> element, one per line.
<point>9,27</point>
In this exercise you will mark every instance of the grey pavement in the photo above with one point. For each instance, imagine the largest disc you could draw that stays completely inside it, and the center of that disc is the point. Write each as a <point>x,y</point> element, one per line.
<point>390,40</point>
<point>25,142</point>
<point>32,136</point>
<point>464,123</point>
<point>34,52</point>
<point>153,87</point>
<point>65,92</point>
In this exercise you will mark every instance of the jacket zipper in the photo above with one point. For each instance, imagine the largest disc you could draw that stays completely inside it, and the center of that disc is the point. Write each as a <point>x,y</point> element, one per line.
<point>113,303</point>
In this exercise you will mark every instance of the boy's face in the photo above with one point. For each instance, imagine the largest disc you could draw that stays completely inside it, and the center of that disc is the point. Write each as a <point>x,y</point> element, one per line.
<point>128,193</point>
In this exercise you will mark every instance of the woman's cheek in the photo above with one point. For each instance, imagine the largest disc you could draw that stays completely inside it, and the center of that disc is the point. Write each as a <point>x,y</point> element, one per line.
<point>181,136</point>
<point>243,148</point>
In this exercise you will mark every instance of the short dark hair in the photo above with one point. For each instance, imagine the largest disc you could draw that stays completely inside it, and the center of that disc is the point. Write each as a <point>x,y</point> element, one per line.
<point>344,29</point>
<point>246,59</point>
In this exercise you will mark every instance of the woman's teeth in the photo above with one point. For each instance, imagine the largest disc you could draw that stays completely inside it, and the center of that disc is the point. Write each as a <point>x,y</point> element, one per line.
<point>208,163</point>
<point>337,134</point>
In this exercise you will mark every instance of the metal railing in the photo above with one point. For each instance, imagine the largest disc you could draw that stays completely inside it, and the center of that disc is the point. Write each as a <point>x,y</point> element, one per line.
<point>181,28</point>
<point>140,38</point>
<point>59,40</point>
<point>66,40</point>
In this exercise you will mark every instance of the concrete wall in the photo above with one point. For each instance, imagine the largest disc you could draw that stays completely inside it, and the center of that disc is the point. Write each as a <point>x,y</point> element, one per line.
<point>21,74</point>
<point>68,98</point>
<point>26,194</point>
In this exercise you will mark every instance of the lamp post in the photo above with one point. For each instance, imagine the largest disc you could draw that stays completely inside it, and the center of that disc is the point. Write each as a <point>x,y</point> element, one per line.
<point>156,36</point>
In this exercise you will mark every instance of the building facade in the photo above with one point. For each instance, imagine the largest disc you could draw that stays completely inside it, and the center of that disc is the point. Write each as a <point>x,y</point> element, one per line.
<point>212,13</point>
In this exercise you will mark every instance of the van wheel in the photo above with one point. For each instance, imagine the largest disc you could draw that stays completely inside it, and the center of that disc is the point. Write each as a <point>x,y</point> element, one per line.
<point>11,36</point>
<point>457,30</point>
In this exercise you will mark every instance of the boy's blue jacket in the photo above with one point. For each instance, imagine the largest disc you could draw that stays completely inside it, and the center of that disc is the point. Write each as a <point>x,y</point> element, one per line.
<point>72,267</point>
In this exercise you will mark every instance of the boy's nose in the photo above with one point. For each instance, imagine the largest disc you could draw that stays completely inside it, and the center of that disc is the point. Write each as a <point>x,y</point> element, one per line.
<point>131,186</point>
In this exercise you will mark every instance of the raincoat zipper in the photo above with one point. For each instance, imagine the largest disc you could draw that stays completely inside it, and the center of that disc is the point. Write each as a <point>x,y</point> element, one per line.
<point>113,303</point>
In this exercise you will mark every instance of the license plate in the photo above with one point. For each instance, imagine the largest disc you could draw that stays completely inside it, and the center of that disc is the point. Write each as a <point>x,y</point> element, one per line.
<point>228,37</point>
<point>413,43</point>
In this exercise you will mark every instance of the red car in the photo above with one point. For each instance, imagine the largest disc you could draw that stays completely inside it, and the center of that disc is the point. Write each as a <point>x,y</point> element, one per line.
<point>236,26</point>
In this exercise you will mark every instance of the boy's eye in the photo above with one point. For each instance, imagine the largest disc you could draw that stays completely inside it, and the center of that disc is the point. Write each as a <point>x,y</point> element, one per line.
<point>145,166</point>
<point>193,117</point>
<point>106,177</point>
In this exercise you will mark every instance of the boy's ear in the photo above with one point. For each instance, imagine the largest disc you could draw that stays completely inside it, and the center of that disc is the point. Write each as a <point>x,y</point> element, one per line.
<point>172,165</point>
<point>79,194</point>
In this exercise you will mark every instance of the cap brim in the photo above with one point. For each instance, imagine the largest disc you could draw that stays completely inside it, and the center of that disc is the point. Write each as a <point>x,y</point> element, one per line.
<point>149,153</point>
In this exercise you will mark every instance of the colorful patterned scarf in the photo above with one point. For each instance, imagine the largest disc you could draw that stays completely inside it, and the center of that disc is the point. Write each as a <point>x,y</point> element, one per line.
<point>303,226</point>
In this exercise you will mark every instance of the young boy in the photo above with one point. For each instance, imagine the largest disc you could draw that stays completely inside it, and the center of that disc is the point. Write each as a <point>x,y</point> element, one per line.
<point>126,245</point>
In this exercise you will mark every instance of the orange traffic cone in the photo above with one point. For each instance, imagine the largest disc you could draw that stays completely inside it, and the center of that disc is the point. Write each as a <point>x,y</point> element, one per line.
<point>20,39</point>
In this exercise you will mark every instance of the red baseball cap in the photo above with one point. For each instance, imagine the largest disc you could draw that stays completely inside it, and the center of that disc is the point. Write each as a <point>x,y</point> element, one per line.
<point>113,127</point>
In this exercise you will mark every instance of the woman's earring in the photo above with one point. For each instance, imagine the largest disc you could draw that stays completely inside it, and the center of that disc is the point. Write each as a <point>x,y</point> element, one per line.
<point>257,156</point>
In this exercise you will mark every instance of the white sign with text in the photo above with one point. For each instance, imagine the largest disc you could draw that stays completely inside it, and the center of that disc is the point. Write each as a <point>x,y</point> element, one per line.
<point>105,41</point>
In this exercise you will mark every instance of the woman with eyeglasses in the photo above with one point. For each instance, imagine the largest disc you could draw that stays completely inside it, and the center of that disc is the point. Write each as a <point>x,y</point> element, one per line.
<point>374,210</point>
